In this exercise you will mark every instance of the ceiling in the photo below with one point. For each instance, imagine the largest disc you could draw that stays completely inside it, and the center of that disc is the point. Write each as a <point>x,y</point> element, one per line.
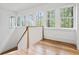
<point>17,6</point>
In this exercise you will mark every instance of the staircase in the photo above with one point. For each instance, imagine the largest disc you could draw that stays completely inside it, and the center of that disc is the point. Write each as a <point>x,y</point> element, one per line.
<point>13,39</point>
<point>22,38</point>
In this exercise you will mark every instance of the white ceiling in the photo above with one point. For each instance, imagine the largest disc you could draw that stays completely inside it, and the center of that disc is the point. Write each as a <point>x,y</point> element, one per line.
<point>17,6</point>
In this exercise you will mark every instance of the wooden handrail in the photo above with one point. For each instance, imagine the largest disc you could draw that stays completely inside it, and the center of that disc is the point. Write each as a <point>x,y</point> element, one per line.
<point>27,29</point>
<point>23,34</point>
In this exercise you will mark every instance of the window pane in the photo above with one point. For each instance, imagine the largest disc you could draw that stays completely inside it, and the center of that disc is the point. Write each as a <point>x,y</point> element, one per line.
<point>12,22</point>
<point>18,22</point>
<point>30,20</point>
<point>22,19</point>
<point>67,12</point>
<point>67,17</point>
<point>51,19</point>
<point>52,23</point>
<point>67,22</point>
<point>39,18</point>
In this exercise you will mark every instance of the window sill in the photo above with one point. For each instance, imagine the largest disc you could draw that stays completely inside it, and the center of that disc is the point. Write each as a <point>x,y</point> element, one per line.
<point>59,28</point>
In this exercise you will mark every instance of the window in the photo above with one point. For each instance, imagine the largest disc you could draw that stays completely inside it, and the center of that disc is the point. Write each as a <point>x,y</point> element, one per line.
<point>12,21</point>
<point>18,21</point>
<point>31,20</point>
<point>67,17</point>
<point>51,18</point>
<point>39,18</point>
<point>21,21</point>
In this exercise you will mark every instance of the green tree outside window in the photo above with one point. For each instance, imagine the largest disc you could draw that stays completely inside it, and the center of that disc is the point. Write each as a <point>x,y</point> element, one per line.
<point>67,17</point>
<point>51,18</point>
<point>39,18</point>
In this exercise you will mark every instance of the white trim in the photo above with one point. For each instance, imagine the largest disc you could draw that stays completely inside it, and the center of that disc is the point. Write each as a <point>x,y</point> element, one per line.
<point>58,17</point>
<point>59,28</point>
<point>66,6</point>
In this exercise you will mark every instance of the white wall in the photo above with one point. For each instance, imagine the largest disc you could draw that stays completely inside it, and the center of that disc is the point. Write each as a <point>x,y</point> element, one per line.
<point>35,35</point>
<point>4,26</point>
<point>12,40</point>
<point>9,37</point>
<point>50,33</point>
<point>31,37</point>
<point>63,35</point>
<point>78,26</point>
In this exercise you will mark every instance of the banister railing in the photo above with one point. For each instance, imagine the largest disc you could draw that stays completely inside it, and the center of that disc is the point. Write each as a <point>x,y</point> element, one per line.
<point>27,29</point>
<point>23,34</point>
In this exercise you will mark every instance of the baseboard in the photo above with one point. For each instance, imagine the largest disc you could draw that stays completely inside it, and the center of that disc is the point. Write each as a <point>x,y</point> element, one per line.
<point>60,42</point>
<point>10,50</point>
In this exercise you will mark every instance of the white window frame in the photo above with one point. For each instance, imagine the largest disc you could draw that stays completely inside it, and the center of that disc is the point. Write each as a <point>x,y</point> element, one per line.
<point>12,22</point>
<point>57,16</point>
<point>50,20</point>
<point>21,22</point>
<point>74,16</point>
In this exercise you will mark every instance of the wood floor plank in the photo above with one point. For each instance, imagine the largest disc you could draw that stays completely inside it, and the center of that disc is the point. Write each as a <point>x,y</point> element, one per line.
<point>46,47</point>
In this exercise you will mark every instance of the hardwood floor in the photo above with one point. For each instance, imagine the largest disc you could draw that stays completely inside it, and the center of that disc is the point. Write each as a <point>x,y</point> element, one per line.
<point>13,49</point>
<point>47,47</point>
